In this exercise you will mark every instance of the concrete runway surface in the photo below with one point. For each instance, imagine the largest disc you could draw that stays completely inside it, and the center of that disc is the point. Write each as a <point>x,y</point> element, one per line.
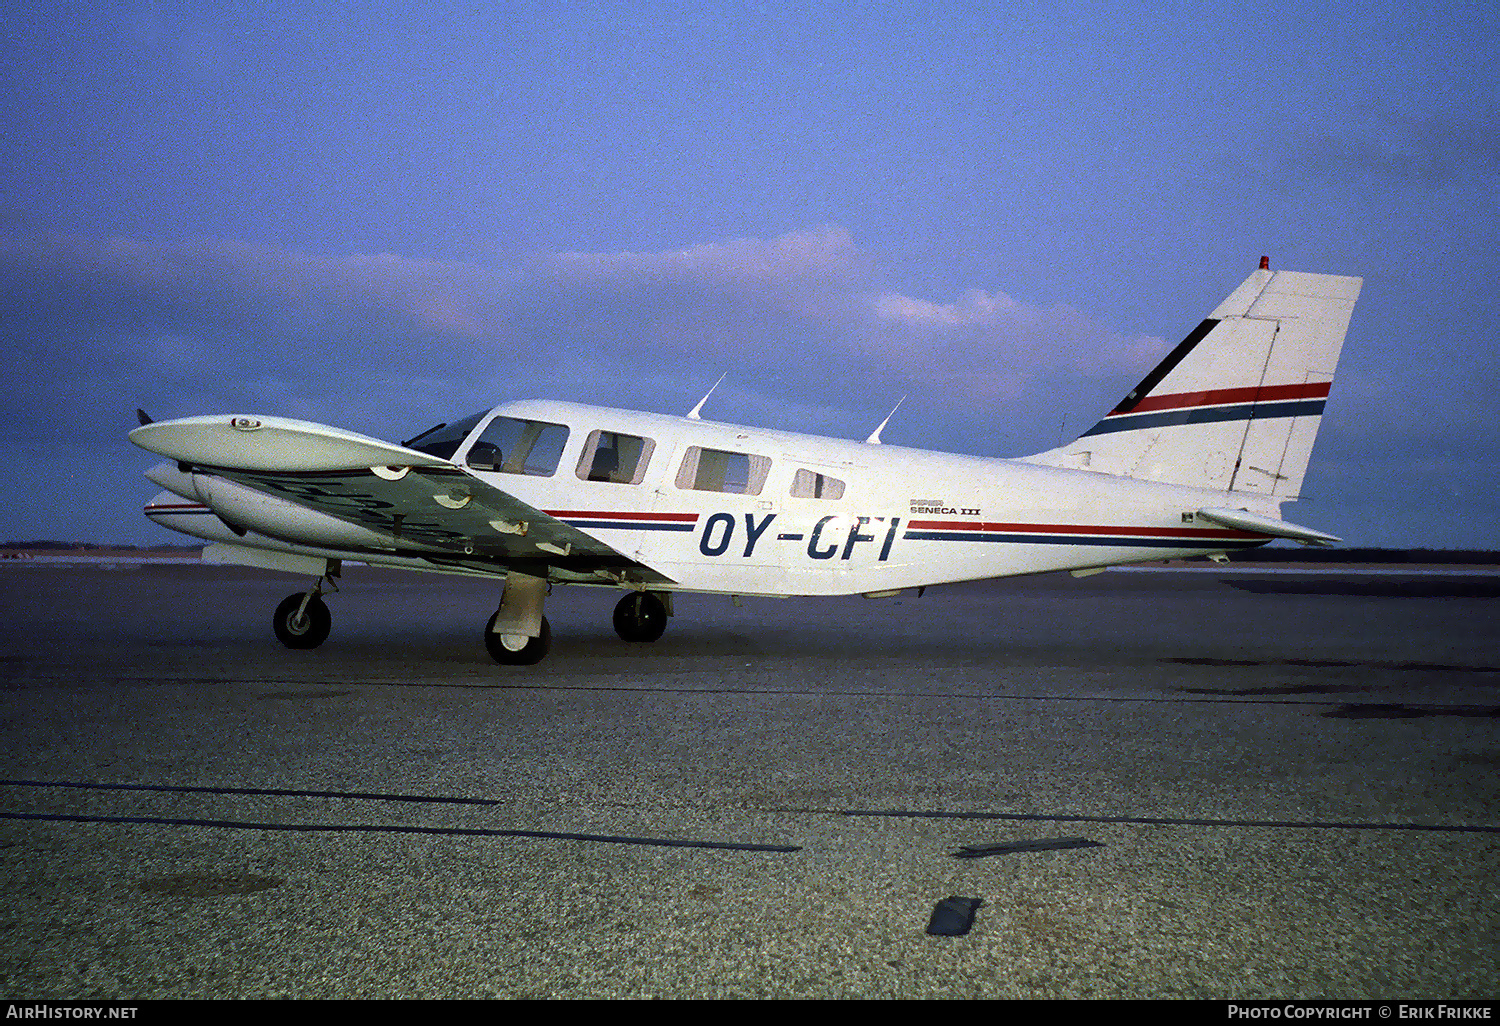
<point>1289,780</point>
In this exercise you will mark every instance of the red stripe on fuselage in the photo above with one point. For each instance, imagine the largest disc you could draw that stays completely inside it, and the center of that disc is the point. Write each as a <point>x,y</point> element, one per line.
<point>600,514</point>
<point>1227,396</point>
<point>1138,532</point>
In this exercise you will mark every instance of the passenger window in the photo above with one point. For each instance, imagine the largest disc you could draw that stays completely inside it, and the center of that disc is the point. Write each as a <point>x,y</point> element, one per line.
<point>615,458</point>
<point>510,446</point>
<point>809,485</point>
<point>714,470</point>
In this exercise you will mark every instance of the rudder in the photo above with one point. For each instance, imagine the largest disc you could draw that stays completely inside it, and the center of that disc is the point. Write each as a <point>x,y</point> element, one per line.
<point>1237,404</point>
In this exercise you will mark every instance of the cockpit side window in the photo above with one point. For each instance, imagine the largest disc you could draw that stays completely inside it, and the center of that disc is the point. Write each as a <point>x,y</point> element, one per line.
<point>715,470</point>
<point>615,458</point>
<point>443,441</point>
<point>512,446</point>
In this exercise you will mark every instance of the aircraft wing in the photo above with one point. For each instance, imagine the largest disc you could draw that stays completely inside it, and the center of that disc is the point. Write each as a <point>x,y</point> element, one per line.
<point>426,505</point>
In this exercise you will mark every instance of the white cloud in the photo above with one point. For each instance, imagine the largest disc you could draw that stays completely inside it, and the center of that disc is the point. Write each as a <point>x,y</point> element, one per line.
<point>823,255</point>
<point>974,307</point>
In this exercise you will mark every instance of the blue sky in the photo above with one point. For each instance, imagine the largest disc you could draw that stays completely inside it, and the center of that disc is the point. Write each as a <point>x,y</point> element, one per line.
<point>381,216</point>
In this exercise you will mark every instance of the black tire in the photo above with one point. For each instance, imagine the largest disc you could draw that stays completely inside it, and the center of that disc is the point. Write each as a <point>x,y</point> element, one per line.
<point>307,631</point>
<point>641,616</point>
<point>531,652</point>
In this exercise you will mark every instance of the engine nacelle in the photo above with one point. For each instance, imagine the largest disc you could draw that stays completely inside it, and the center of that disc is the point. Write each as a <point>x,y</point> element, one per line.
<point>249,510</point>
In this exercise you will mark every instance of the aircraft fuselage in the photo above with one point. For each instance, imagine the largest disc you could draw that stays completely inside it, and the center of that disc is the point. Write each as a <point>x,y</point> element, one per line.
<point>816,516</point>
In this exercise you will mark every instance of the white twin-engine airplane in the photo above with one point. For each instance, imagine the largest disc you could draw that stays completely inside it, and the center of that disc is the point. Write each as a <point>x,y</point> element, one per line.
<point>1196,460</point>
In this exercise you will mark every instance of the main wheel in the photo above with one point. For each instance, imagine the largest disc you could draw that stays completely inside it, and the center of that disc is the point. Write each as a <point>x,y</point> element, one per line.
<point>310,629</point>
<point>516,649</point>
<point>640,616</point>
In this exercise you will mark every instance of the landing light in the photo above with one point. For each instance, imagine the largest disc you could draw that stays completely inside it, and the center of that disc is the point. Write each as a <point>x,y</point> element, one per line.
<point>245,424</point>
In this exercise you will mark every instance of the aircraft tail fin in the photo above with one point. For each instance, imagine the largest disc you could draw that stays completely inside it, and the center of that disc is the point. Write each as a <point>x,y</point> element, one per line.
<point>1236,405</point>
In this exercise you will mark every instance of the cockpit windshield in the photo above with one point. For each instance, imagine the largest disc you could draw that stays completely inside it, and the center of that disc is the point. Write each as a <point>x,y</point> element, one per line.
<point>443,441</point>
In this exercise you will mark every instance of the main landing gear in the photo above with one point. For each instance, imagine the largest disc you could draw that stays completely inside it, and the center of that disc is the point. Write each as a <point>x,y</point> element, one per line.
<point>519,635</point>
<point>517,649</point>
<point>642,615</point>
<point>516,635</point>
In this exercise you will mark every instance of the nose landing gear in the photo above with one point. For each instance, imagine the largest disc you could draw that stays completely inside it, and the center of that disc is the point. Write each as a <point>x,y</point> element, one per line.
<point>303,620</point>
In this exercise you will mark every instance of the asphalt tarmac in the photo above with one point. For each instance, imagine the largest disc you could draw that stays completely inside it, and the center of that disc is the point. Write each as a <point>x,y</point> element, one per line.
<point>1187,784</point>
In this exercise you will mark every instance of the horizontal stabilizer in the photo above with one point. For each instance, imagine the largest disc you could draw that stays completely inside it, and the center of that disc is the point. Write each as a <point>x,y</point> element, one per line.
<point>1244,520</point>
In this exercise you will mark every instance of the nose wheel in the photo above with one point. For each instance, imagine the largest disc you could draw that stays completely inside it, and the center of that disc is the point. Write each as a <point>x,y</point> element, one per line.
<point>641,616</point>
<point>303,621</point>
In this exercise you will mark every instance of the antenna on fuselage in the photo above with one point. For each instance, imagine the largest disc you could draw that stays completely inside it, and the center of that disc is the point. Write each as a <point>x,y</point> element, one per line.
<point>874,438</point>
<point>693,414</point>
